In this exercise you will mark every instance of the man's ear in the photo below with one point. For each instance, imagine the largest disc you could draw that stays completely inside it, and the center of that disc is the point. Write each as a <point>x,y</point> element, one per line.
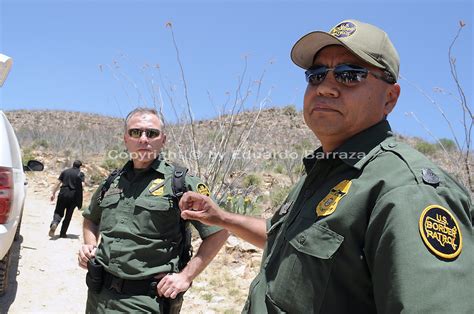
<point>393,92</point>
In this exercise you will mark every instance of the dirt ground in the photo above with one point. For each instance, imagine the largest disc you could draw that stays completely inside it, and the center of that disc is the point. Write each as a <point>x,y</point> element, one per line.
<point>45,277</point>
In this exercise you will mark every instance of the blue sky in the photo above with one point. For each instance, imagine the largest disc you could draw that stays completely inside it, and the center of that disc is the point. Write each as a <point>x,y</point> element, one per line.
<point>60,47</point>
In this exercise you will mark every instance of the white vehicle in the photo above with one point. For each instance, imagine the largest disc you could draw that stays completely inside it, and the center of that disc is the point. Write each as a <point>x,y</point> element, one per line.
<point>12,185</point>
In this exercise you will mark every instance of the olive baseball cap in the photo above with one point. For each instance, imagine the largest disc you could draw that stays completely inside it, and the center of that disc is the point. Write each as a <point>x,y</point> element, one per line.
<point>366,41</point>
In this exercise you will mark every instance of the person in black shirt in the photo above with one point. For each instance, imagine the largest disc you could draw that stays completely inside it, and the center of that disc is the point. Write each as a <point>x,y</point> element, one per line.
<point>70,196</point>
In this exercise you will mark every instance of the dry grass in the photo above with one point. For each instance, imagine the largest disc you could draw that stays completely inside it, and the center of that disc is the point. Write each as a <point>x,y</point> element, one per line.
<point>223,286</point>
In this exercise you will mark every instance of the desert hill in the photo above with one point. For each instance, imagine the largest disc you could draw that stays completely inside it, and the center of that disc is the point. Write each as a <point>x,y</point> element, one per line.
<point>268,144</point>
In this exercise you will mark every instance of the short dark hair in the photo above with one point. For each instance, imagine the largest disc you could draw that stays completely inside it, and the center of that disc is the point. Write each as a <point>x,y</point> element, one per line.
<point>77,164</point>
<point>144,110</point>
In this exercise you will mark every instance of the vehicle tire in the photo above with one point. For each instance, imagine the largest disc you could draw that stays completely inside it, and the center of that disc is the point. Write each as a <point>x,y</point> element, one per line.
<point>17,233</point>
<point>4,263</point>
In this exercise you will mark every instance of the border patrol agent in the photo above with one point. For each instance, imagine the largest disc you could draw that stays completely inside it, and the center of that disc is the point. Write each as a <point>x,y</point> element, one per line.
<point>138,265</point>
<point>373,226</point>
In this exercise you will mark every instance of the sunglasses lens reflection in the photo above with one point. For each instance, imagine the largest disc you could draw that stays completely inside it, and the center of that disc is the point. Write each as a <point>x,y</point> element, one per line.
<point>346,74</point>
<point>150,133</point>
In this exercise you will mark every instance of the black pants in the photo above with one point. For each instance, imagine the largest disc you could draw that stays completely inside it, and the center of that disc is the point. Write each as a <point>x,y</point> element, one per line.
<point>66,202</point>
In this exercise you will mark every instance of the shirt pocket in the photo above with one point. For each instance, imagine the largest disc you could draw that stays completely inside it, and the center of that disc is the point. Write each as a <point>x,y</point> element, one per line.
<point>108,206</point>
<point>276,222</point>
<point>110,201</point>
<point>156,217</point>
<point>317,241</point>
<point>304,270</point>
<point>272,232</point>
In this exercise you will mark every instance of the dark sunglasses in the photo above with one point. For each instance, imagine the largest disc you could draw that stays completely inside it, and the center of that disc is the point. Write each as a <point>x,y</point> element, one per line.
<point>150,133</point>
<point>346,74</point>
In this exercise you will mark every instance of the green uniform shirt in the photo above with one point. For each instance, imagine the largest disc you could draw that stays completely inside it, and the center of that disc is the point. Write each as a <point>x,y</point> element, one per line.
<point>139,222</point>
<point>373,227</point>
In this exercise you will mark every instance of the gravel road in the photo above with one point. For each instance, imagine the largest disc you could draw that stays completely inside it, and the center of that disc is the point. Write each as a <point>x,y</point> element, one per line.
<point>45,276</point>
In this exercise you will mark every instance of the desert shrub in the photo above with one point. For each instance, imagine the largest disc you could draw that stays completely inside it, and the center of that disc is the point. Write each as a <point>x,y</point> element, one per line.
<point>268,165</point>
<point>278,195</point>
<point>40,143</point>
<point>426,147</point>
<point>304,146</point>
<point>113,163</point>
<point>448,144</point>
<point>96,178</point>
<point>279,168</point>
<point>298,171</point>
<point>239,204</point>
<point>290,110</point>
<point>252,180</point>
<point>27,154</point>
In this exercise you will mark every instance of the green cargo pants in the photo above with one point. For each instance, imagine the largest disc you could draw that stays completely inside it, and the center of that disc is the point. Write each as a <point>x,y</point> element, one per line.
<point>109,301</point>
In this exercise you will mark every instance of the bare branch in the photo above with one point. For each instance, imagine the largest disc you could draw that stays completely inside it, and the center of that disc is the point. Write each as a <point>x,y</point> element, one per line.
<point>188,104</point>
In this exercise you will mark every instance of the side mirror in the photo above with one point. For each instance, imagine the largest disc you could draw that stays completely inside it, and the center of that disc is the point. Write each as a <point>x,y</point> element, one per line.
<point>33,165</point>
<point>5,66</point>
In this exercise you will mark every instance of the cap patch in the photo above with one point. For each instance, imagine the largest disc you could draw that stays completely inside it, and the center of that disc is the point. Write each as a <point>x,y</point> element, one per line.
<point>201,188</point>
<point>344,29</point>
<point>440,232</point>
<point>157,187</point>
<point>329,203</point>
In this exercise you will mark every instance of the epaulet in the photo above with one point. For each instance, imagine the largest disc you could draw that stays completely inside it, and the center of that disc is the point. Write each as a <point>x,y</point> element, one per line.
<point>423,169</point>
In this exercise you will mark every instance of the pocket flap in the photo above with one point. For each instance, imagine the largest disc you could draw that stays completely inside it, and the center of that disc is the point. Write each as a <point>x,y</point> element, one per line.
<point>275,226</point>
<point>317,241</point>
<point>153,203</point>
<point>110,200</point>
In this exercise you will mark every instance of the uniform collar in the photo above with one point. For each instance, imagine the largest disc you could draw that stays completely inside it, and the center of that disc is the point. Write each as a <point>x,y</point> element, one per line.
<point>127,167</point>
<point>357,150</point>
<point>159,165</point>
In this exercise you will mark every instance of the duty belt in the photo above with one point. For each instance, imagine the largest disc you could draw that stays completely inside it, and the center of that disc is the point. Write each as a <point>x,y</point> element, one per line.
<point>132,287</point>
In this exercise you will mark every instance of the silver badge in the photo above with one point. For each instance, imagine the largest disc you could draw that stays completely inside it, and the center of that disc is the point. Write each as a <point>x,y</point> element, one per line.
<point>284,208</point>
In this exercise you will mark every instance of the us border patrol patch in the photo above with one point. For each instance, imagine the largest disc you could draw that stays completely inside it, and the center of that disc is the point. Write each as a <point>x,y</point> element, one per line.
<point>201,188</point>
<point>344,29</point>
<point>329,203</point>
<point>440,232</point>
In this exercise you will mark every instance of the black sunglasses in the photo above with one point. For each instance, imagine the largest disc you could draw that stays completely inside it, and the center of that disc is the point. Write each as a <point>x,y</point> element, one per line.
<point>150,133</point>
<point>346,74</point>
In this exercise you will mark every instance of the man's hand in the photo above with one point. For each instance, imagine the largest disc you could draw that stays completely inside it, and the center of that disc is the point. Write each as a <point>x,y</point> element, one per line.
<point>173,284</point>
<point>199,207</point>
<point>196,206</point>
<point>55,189</point>
<point>86,252</point>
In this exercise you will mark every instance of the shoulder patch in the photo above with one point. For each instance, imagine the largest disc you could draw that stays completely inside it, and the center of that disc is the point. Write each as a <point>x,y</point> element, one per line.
<point>440,232</point>
<point>329,203</point>
<point>201,188</point>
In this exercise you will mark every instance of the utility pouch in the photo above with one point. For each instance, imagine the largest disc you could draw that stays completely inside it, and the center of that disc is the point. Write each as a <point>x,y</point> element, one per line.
<point>95,276</point>
<point>171,306</point>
